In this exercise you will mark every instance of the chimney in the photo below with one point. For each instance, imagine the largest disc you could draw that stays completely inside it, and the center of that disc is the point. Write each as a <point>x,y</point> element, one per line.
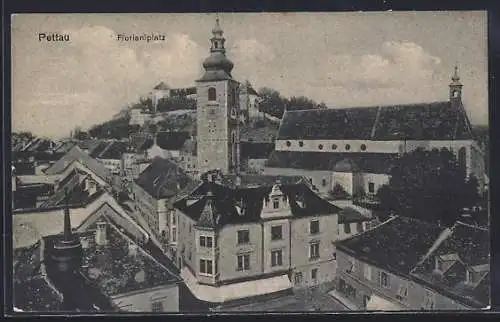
<point>101,233</point>
<point>132,249</point>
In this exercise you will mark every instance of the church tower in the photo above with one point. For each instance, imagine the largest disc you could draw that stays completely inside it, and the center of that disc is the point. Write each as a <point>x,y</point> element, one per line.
<point>217,110</point>
<point>455,88</point>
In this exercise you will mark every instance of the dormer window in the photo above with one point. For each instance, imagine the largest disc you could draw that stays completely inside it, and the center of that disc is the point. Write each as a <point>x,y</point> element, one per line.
<point>288,143</point>
<point>276,203</point>
<point>363,147</point>
<point>347,147</point>
<point>320,146</point>
<point>301,143</point>
<point>334,146</point>
<point>469,277</point>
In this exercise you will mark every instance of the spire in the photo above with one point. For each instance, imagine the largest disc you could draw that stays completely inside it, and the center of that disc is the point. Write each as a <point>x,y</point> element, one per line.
<point>217,65</point>
<point>455,78</point>
<point>455,86</point>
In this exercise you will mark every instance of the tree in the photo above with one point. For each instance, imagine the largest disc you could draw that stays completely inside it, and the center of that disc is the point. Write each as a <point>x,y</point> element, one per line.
<point>428,185</point>
<point>272,102</point>
<point>301,103</point>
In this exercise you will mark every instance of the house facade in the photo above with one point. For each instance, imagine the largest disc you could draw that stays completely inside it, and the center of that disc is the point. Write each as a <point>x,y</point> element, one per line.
<point>365,281</point>
<point>262,240</point>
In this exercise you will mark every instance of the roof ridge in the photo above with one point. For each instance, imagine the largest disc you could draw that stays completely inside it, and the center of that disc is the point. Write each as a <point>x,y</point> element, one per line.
<point>471,226</point>
<point>371,106</point>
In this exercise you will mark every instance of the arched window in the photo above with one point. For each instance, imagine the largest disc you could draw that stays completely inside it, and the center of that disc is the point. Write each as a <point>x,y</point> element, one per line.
<point>462,159</point>
<point>211,94</point>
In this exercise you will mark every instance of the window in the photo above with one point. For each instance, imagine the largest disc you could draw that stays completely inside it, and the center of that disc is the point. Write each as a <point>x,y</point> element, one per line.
<point>314,227</point>
<point>402,291</point>
<point>189,255</point>
<point>301,143</point>
<point>314,251</point>
<point>384,279</point>
<point>276,258</point>
<point>350,291</point>
<point>211,94</point>
<point>276,233</point>
<point>371,187</point>
<point>174,234</point>
<point>351,264</point>
<point>320,146</point>
<point>206,241</point>
<point>276,204</point>
<point>363,147</point>
<point>367,272</point>
<point>206,266</point>
<point>243,262</point>
<point>359,227</point>
<point>347,228</point>
<point>469,277</point>
<point>323,182</point>
<point>366,299</point>
<point>243,236</point>
<point>288,143</point>
<point>334,146</point>
<point>157,306</point>
<point>173,219</point>
<point>298,277</point>
<point>347,147</point>
<point>314,274</point>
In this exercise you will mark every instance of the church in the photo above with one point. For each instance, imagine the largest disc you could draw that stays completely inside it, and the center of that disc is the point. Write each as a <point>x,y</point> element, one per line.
<point>356,147</point>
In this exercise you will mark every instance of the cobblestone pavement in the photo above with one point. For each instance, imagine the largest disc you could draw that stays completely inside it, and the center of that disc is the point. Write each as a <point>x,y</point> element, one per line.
<point>300,301</point>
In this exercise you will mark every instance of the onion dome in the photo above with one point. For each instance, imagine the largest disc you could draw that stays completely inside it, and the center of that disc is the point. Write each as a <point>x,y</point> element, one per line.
<point>218,60</point>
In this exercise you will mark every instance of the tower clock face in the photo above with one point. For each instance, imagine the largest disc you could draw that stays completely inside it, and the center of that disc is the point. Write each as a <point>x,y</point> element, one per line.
<point>455,94</point>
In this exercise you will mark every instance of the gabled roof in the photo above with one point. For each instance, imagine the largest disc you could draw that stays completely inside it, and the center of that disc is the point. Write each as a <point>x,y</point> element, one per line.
<point>470,247</point>
<point>421,121</point>
<point>76,154</point>
<point>363,161</point>
<point>220,209</point>
<point>396,245</point>
<point>163,178</point>
<point>75,185</point>
<point>162,86</point>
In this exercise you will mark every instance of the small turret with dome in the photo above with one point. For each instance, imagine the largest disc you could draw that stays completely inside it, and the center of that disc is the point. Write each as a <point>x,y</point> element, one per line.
<point>217,66</point>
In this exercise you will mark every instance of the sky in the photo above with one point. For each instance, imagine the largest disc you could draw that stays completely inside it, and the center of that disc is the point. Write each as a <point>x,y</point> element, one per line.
<point>343,59</point>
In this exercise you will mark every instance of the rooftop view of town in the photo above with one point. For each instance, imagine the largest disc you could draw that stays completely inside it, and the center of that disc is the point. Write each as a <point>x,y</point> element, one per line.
<point>229,196</point>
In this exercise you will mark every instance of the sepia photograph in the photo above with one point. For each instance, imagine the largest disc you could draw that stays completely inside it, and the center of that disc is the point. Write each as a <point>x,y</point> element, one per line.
<point>250,162</point>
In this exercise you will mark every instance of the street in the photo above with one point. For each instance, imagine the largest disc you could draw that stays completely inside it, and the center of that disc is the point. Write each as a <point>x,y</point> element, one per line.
<point>300,301</point>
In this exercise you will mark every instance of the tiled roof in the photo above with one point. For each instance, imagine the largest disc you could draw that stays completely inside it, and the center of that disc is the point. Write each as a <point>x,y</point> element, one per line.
<point>422,121</point>
<point>137,271</point>
<point>114,150</point>
<point>350,215</point>
<point>221,209</point>
<point>163,178</point>
<point>396,245</point>
<point>75,185</point>
<point>96,167</point>
<point>31,290</point>
<point>469,246</point>
<point>365,162</point>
